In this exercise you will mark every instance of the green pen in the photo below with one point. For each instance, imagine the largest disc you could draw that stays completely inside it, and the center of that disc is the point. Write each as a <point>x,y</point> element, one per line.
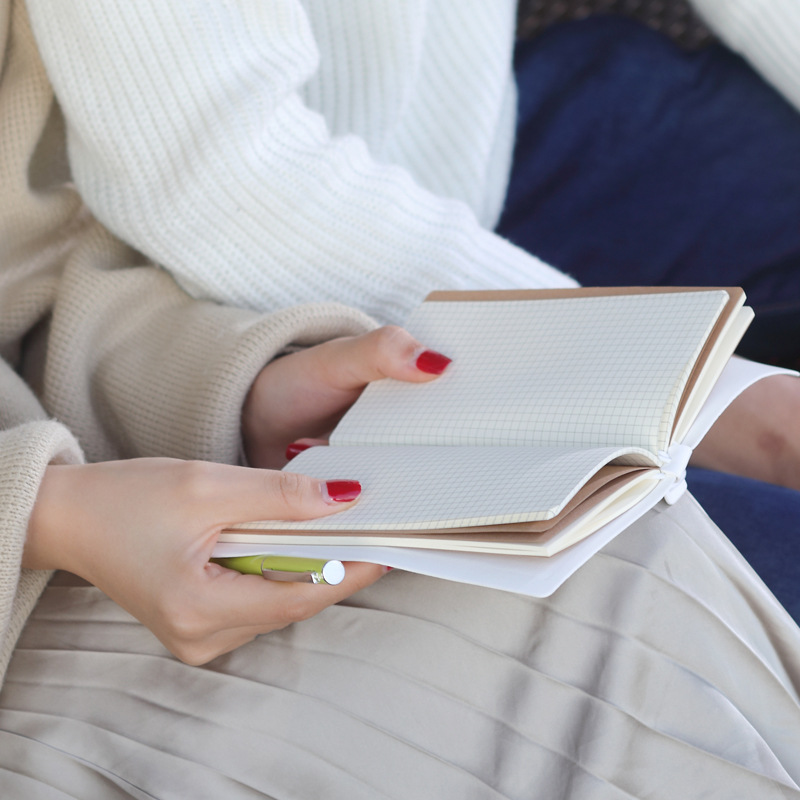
<point>287,568</point>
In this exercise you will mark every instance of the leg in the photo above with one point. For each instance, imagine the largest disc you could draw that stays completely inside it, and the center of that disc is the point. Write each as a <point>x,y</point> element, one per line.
<point>661,669</point>
<point>758,435</point>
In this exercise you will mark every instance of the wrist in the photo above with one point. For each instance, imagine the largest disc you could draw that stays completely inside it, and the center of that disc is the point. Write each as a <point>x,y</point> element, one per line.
<point>261,445</point>
<point>251,428</point>
<point>50,536</point>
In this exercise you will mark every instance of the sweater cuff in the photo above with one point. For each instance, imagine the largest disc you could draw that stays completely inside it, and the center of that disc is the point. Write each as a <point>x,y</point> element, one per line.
<point>205,399</point>
<point>767,34</point>
<point>135,367</point>
<point>25,452</point>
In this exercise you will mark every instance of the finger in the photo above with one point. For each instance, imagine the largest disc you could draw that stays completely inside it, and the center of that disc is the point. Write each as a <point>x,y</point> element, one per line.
<point>227,494</point>
<point>389,352</point>
<point>252,605</point>
<point>297,447</point>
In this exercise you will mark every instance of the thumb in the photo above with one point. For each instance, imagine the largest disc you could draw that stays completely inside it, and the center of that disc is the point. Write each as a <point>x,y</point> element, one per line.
<point>244,494</point>
<point>388,352</point>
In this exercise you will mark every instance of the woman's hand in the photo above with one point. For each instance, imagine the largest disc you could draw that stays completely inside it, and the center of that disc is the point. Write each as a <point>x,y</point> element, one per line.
<point>305,394</point>
<point>143,531</point>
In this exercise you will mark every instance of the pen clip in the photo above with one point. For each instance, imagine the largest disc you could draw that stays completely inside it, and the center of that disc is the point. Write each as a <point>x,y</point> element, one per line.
<point>293,577</point>
<point>330,573</point>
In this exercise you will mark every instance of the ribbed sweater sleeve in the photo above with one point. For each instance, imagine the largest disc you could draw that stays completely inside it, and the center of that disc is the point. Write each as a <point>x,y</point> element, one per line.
<point>135,367</point>
<point>766,32</point>
<point>190,138</point>
<point>28,443</point>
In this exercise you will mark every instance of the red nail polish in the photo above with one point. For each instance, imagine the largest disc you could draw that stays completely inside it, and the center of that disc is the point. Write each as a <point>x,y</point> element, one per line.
<point>294,449</point>
<point>432,362</point>
<point>342,491</point>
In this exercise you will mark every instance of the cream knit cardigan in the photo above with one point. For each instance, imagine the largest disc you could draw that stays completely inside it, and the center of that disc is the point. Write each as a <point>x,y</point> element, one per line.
<point>130,364</point>
<point>267,152</point>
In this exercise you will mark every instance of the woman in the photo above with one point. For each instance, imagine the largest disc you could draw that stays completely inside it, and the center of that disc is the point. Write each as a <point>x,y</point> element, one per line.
<point>662,666</point>
<point>200,125</point>
<point>414,688</point>
<point>272,154</point>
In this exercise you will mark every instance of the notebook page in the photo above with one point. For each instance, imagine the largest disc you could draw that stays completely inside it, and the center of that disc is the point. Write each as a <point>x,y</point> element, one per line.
<point>417,487</point>
<point>638,490</point>
<point>582,371</point>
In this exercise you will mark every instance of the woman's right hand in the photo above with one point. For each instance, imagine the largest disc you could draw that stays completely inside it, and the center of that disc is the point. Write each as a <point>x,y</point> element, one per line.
<point>306,393</point>
<point>143,531</point>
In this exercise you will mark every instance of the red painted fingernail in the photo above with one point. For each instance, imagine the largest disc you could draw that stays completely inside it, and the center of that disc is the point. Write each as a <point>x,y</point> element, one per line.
<point>295,448</point>
<point>342,491</point>
<point>432,362</point>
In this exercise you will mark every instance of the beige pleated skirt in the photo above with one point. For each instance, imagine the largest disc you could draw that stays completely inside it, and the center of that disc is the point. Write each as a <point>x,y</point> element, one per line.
<point>662,669</point>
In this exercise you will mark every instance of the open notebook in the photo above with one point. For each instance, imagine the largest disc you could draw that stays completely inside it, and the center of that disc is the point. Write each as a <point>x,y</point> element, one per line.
<point>563,411</point>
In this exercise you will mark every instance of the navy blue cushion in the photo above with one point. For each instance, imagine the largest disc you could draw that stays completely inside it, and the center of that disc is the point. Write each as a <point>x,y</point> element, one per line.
<point>763,521</point>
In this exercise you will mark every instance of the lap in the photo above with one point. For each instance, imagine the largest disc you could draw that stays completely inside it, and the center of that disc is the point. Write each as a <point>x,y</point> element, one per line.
<point>638,163</point>
<point>762,521</point>
<point>427,689</point>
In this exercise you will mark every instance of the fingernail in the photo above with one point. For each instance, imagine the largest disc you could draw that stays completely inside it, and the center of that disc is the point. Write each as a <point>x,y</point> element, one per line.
<point>342,491</point>
<point>432,362</point>
<point>295,448</point>
<point>387,569</point>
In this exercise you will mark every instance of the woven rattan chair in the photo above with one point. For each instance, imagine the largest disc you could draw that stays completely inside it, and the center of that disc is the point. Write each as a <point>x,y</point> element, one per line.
<point>675,18</point>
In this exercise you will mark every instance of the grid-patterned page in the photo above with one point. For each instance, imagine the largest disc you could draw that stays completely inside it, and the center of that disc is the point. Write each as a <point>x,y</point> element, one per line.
<point>582,371</point>
<point>414,488</point>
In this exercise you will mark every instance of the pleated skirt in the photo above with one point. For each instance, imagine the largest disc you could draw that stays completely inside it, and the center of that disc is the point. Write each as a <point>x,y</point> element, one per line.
<point>662,669</point>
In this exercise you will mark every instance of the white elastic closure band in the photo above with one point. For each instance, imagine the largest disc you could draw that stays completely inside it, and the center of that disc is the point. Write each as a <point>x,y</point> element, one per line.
<point>675,461</point>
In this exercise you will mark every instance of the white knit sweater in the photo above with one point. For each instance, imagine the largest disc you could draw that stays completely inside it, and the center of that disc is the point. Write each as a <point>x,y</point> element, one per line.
<point>270,152</point>
<point>266,152</point>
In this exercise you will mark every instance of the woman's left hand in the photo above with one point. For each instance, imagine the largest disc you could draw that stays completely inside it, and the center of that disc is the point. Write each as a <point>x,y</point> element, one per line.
<point>143,530</point>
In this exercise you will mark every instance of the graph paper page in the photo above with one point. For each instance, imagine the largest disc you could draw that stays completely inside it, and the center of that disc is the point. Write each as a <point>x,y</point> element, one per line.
<point>575,372</point>
<point>417,487</point>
